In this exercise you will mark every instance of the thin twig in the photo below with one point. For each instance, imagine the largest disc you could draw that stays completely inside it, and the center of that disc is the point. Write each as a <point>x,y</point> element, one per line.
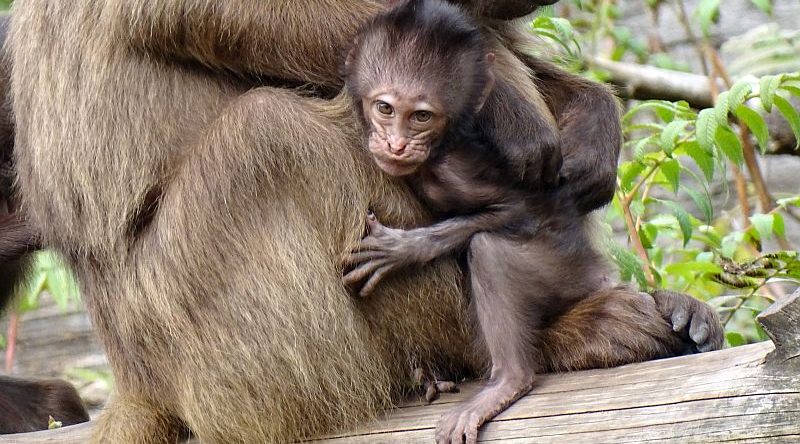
<point>645,194</point>
<point>635,189</point>
<point>633,235</point>
<point>741,194</point>
<point>11,340</point>
<point>683,18</point>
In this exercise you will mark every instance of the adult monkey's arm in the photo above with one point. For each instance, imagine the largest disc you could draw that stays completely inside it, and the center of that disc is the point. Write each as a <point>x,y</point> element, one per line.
<point>288,39</point>
<point>505,10</point>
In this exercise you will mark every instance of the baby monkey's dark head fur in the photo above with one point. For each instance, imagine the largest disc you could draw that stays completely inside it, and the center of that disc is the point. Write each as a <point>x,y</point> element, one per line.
<point>416,69</point>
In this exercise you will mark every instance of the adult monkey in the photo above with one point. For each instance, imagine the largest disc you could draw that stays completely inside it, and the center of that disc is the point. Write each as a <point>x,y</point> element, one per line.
<point>189,205</point>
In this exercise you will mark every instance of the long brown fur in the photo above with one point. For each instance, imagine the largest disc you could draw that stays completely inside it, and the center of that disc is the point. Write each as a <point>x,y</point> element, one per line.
<point>205,217</point>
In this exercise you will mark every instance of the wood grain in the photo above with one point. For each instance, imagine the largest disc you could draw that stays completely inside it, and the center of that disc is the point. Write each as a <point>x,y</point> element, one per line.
<point>748,394</point>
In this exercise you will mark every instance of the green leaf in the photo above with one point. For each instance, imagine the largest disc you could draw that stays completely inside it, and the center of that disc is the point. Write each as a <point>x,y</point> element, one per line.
<point>637,208</point>
<point>721,107</point>
<point>647,241</point>
<point>649,234</point>
<point>630,266</point>
<point>690,267</point>
<point>557,29</point>
<point>757,126</point>
<point>30,299</point>
<point>665,113</point>
<point>791,115</point>
<point>627,172</point>
<point>768,85</point>
<point>646,126</point>
<point>706,256</point>
<point>763,223</point>
<point>703,202</point>
<point>703,158</point>
<point>711,240</point>
<point>778,225</point>
<point>671,170</point>
<point>793,90</point>
<point>707,13</point>
<point>784,255</point>
<point>738,93</point>
<point>786,201</point>
<point>670,134</point>
<point>735,339</point>
<point>684,220</point>
<point>730,144</point>
<point>731,243</point>
<point>62,287</point>
<point>639,148</point>
<point>563,27</point>
<point>706,127</point>
<point>764,5</point>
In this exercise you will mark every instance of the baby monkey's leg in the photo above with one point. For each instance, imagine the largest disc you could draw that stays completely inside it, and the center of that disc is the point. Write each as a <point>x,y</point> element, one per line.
<point>505,305</point>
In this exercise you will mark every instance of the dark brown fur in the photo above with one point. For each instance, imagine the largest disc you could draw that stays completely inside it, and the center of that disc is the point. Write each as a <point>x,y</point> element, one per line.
<point>205,217</point>
<point>27,404</point>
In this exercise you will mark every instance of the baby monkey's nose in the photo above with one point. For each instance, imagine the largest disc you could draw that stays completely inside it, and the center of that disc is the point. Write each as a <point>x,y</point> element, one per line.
<point>397,144</point>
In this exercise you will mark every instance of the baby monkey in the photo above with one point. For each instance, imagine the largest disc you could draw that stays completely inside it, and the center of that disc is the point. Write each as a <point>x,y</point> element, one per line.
<point>486,163</point>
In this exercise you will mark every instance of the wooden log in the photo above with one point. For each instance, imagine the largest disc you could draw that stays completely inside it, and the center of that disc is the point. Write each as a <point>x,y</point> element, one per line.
<point>781,321</point>
<point>748,394</point>
<point>644,82</point>
<point>52,340</point>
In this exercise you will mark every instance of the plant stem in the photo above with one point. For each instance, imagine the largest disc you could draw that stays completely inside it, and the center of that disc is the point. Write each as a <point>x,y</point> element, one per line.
<point>741,194</point>
<point>633,235</point>
<point>683,18</point>
<point>13,326</point>
<point>645,194</point>
<point>635,189</point>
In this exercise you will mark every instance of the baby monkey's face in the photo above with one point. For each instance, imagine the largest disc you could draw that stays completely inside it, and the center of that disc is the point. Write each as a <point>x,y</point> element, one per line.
<point>404,128</point>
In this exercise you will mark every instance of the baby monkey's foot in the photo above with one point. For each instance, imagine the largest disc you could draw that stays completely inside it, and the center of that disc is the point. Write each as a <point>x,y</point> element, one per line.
<point>431,387</point>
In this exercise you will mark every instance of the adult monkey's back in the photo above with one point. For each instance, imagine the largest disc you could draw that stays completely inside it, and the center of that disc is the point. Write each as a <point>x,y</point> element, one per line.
<point>205,218</point>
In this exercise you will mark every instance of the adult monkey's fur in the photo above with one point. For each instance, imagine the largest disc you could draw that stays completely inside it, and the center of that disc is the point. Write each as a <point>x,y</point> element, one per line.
<point>17,238</point>
<point>205,219</point>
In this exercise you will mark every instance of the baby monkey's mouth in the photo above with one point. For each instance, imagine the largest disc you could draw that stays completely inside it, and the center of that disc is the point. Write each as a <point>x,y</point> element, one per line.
<point>397,166</point>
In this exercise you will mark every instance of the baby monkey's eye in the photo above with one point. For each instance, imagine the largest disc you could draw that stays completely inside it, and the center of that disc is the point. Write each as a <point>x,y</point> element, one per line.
<point>423,116</point>
<point>384,108</point>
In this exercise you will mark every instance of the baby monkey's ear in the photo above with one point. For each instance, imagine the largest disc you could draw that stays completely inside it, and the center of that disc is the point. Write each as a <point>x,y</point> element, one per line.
<point>350,60</point>
<point>487,88</point>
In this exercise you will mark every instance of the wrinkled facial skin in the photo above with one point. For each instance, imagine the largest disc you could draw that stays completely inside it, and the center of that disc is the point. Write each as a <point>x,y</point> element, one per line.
<point>403,129</point>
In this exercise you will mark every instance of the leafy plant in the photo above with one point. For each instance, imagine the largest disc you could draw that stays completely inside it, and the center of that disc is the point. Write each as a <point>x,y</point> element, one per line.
<point>677,150</point>
<point>678,156</point>
<point>50,275</point>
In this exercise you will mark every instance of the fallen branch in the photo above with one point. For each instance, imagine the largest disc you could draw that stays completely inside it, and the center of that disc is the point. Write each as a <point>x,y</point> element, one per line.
<point>744,394</point>
<point>644,82</point>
